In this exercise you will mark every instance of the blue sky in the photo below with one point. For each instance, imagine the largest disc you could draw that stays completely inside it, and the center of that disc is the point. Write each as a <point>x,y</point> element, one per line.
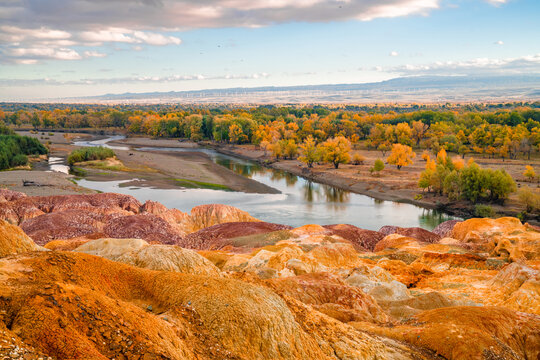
<point>92,47</point>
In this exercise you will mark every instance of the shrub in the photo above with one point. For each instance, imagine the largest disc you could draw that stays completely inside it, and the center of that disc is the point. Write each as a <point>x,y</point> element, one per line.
<point>88,154</point>
<point>378,166</point>
<point>19,160</point>
<point>530,199</point>
<point>481,210</point>
<point>14,148</point>
<point>529,173</point>
<point>358,159</point>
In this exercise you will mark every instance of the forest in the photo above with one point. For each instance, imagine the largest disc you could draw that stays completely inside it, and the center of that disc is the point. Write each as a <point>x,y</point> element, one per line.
<point>14,149</point>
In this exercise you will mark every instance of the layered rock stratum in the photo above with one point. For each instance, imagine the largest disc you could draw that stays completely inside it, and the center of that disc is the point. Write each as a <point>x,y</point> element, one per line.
<point>105,277</point>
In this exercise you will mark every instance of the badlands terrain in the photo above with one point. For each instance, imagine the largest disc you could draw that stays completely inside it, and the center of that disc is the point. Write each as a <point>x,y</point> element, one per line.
<point>102,276</point>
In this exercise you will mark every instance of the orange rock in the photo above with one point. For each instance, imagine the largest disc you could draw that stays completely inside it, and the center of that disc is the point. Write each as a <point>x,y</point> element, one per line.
<point>14,241</point>
<point>472,333</point>
<point>331,296</point>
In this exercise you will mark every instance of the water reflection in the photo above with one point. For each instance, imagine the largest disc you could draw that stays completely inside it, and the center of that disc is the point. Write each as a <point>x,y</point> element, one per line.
<point>301,201</point>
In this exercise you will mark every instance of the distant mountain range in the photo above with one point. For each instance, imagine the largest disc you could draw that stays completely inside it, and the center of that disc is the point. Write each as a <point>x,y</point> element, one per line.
<point>422,89</point>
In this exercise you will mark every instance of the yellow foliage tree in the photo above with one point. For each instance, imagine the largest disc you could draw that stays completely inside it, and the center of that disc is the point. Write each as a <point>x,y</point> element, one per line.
<point>401,155</point>
<point>336,150</point>
<point>529,173</point>
<point>309,152</point>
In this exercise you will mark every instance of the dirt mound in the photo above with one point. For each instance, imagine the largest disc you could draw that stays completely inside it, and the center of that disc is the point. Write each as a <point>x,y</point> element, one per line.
<point>219,236</point>
<point>170,258</point>
<point>65,224</point>
<point>419,234</point>
<point>28,207</point>
<point>331,296</point>
<point>79,306</point>
<point>472,333</point>
<point>144,226</point>
<point>204,216</point>
<point>14,241</point>
<point>361,239</point>
<point>9,195</point>
<point>445,229</point>
<point>503,237</point>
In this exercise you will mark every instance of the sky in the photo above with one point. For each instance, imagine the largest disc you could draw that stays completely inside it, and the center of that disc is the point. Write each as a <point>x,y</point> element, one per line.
<point>71,48</point>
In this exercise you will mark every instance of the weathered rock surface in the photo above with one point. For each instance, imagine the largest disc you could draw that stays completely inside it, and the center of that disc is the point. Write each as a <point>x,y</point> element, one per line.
<point>233,234</point>
<point>504,237</point>
<point>361,239</point>
<point>445,229</point>
<point>79,306</point>
<point>255,290</point>
<point>14,241</point>
<point>417,233</point>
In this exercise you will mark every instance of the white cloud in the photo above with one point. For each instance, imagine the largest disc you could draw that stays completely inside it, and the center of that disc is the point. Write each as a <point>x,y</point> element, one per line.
<point>23,45</point>
<point>393,53</point>
<point>84,15</point>
<point>27,55</point>
<point>497,2</point>
<point>500,42</point>
<point>63,24</point>
<point>131,80</point>
<point>94,54</point>
<point>521,65</point>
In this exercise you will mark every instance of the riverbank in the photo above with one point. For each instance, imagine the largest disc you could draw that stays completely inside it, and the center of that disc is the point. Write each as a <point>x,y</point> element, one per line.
<point>160,169</point>
<point>391,185</point>
<point>44,183</point>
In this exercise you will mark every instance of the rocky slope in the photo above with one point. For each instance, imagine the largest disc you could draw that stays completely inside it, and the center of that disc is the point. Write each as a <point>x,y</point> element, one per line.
<point>126,280</point>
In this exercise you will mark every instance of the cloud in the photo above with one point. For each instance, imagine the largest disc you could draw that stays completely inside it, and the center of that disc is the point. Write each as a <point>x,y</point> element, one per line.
<point>500,42</point>
<point>28,46</point>
<point>522,65</point>
<point>130,80</point>
<point>393,53</point>
<point>497,2</point>
<point>94,54</point>
<point>84,15</point>
<point>61,24</point>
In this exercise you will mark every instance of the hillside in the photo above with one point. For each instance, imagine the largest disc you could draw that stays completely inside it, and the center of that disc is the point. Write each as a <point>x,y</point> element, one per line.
<point>103,276</point>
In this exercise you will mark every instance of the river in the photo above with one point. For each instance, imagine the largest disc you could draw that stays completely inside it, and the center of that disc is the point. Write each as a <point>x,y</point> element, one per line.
<point>301,201</point>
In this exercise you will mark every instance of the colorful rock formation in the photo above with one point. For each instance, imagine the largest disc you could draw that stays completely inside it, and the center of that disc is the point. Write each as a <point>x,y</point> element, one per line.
<point>119,282</point>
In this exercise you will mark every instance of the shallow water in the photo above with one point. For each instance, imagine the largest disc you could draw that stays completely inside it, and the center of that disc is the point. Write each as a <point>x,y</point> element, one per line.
<point>301,201</point>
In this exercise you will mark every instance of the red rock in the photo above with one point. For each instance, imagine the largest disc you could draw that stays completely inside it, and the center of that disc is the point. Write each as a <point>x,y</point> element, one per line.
<point>10,195</point>
<point>62,225</point>
<point>445,229</point>
<point>219,236</point>
<point>361,239</point>
<point>414,232</point>
<point>143,226</point>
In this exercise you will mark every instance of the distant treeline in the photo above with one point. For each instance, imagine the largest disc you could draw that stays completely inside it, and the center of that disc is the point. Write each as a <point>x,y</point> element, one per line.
<point>14,148</point>
<point>503,130</point>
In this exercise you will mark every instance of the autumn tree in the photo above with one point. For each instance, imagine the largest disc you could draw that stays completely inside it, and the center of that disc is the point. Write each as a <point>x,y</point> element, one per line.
<point>401,155</point>
<point>309,152</point>
<point>529,173</point>
<point>336,151</point>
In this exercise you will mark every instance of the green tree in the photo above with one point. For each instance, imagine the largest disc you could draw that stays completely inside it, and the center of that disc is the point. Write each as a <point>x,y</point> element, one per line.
<point>378,166</point>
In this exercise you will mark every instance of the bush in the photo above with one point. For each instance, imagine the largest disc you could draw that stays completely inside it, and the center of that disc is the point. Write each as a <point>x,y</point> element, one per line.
<point>358,159</point>
<point>378,166</point>
<point>481,210</point>
<point>88,154</point>
<point>19,160</point>
<point>470,183</point>
<point>530,199</point>
<point>14,148</point>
